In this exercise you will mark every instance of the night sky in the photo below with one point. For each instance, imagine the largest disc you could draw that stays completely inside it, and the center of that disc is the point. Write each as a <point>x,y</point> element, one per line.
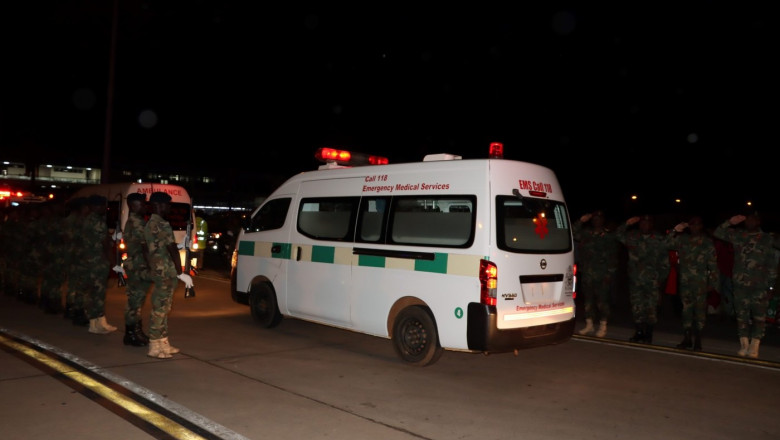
<point>670,100</point>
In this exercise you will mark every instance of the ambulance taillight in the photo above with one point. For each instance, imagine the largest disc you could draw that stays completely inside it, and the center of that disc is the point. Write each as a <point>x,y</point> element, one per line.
<point>496,150</point>
<point>488,282</point>
<point>574,283</point>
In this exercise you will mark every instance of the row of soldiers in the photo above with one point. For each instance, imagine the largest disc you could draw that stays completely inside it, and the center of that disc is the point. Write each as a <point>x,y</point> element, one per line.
<point>49,250</point>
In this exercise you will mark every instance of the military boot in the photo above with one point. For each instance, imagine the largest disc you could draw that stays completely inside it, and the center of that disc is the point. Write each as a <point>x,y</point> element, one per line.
<point>80,317</point>
<point>132,336</point>
<point>753,348</point>
<point>743,346</point>
<point>686,342</point>
<point>588,329</point>
<point>649,334</point>
<point>139,330</point>
<point>639,333</point>
<point>697,339</point>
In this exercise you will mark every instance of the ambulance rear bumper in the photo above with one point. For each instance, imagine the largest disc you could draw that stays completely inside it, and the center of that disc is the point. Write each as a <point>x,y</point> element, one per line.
<point>484,335</point>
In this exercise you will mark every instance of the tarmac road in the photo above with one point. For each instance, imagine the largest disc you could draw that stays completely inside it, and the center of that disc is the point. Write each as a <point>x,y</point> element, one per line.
<point>234,380</point>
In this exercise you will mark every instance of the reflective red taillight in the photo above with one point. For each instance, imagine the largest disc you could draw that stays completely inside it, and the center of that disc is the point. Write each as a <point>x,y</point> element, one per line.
<point>488,282</point>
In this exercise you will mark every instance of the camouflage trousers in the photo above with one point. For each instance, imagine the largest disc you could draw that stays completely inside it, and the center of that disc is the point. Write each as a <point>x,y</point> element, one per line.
<point>51,284</point>
<point>750,304</point>
<point>77,280</point>
<point>596,297</point>
<point>95,293</point>
<point>644,296</point>
<point>136,289</point>
<point>694,307</point>
<point>162,300</point>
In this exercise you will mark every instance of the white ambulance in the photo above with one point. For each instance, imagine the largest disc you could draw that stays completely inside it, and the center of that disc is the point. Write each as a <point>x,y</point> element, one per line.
<point>466,255</point>
<point>116,197</point>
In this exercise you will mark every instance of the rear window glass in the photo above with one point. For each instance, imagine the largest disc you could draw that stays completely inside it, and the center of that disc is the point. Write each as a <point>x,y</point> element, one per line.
<point>531,225</point>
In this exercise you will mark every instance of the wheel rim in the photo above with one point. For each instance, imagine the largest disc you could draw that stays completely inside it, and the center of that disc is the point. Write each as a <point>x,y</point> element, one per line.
<point>414,337</point>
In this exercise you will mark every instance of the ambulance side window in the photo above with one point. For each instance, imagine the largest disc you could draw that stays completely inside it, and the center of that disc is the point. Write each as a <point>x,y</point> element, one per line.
<point>328,218</point>
<point>446,221</point>
<point>371,220</point>
<point>270,216</point>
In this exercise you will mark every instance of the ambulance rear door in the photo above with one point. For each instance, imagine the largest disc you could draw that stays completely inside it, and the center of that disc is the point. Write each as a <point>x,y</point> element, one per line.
<point>534,253</point>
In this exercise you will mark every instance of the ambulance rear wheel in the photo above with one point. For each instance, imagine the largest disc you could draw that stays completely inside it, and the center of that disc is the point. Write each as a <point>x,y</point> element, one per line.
<point>415,338</point>
<point>263,305</point>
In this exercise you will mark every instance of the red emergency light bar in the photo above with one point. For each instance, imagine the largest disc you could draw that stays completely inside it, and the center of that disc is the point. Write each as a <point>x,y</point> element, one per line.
<point>348,158</point>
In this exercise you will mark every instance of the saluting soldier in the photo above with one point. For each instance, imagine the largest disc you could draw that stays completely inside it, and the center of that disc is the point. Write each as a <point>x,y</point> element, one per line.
<point>755,272</point>
<point>648,266</point>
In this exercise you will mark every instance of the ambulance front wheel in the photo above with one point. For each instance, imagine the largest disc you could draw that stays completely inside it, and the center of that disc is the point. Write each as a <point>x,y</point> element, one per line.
<point>415,338</point>
<point>263,305</point>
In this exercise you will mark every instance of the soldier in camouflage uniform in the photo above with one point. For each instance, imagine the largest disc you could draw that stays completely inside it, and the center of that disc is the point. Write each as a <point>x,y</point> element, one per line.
<point>31,255</point>
<point>74,271</point>
<point>97,261</point>
<point>54,269</point>
<point>165,266</point>
<point>136,268</point>
<point>597,264</point>
<point>698,269</point>
<point>755,271</point>
<point>8,239</point>
<point>648,266</point>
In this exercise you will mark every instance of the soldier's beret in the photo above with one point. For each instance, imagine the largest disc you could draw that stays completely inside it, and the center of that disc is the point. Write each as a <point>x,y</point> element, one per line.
<point>159,197</point>
<point>96,200</point>
<point>136,197</point>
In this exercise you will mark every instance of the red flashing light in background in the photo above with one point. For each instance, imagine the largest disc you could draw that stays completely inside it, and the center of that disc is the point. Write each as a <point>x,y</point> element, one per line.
<point>496,150</point>
<point>377,160</point>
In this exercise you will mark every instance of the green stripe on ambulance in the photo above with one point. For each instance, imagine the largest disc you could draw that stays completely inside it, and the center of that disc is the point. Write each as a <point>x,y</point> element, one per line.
<point>443,263</point>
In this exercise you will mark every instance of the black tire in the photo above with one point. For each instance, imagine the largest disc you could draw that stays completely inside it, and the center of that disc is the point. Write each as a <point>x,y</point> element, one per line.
<point>262,303</point>
<point>415,338</point>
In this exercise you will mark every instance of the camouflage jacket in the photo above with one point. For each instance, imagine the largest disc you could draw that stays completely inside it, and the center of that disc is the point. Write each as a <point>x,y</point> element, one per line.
<point>698,260</point>
<point>597,250</point>
<point>159,235</point>
<point>755,263</point>
<point>648,254</point>
<point>135,243</point>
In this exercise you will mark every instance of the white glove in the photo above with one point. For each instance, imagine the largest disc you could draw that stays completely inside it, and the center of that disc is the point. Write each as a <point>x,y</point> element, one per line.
<point>119,269</point>
<point>187,280</point>
<point>117,235</point>
<point>180,246</point>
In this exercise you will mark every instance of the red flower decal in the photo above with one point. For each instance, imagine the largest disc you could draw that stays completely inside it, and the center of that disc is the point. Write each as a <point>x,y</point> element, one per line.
<point>541,226</point>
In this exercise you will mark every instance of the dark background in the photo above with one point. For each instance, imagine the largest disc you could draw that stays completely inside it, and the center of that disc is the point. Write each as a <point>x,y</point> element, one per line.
<point>660,100</point>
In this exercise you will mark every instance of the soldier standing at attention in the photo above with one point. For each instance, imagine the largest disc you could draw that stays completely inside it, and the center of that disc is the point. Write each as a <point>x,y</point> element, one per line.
<point>136,267</point>
<point>76,280</point>
<point>165,266</point>
<point>648,265</point>
<point>97,259</point>
<point>598,248</point>
<point>698,275</point>
<point>755,272</point>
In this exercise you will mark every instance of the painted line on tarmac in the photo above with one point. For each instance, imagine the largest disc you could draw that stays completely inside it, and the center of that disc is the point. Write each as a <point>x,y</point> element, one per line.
<point>681,352</point>
<point>146,410</point>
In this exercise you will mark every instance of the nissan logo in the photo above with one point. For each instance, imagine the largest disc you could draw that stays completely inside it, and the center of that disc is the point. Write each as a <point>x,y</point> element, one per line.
<point>543,264</point>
